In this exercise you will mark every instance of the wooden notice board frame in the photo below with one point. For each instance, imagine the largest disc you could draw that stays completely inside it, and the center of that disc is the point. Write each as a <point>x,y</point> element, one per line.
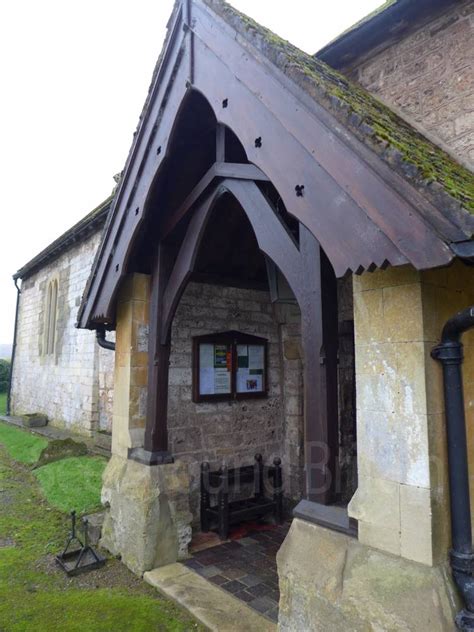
<point>232,340</point>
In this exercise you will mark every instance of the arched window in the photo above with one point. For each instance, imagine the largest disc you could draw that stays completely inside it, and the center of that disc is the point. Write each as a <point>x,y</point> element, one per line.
<point>50,319</point>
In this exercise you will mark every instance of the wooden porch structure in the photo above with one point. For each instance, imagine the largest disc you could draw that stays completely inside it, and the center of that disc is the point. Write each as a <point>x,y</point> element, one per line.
<point>222,119</point>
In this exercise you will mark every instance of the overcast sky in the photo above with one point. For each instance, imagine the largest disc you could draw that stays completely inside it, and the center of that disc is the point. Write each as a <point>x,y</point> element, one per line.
<point>74,78</point>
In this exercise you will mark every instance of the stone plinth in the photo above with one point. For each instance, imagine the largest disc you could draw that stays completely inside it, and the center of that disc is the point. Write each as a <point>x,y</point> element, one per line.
<point>148,518</point>
<point>331,582</point>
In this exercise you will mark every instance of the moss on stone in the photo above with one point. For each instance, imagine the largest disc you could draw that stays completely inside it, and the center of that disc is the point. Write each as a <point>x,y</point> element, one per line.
<point>407,151</point>
<point>61,449</point>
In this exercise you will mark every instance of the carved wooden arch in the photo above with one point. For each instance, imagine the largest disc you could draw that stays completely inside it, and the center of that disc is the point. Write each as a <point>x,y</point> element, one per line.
<point>272,237</point>
<point>363,214</point>
<point>301,266</point>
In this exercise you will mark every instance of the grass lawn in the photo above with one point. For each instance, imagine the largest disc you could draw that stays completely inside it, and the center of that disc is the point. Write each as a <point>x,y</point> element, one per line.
<point>34,594</point>
<point>20,444</point>
<point>73,483</point>
<point>3,403</point>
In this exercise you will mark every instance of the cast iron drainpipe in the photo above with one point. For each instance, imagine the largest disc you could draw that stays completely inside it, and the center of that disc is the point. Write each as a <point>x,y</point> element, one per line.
<point>12,360</point>
<point>450,353</point>
<point>101,340</point>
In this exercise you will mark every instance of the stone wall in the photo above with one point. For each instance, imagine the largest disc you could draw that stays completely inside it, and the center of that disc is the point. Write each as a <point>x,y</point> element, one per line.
<point>401,502</point>
<point>428,77</point>
<point>64,385</point>
<point>230,431</point>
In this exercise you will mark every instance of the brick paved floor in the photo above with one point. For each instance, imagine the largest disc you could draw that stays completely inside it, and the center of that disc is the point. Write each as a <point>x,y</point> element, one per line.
<point>246,568</point>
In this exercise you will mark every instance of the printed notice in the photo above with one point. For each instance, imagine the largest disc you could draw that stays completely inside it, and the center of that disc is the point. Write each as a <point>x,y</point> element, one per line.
<point>221,381</point>
<point>206,381</point>
<point>214,370</point>
<point>250,368</point>
<point>256,357</point>
<point>206,356</point>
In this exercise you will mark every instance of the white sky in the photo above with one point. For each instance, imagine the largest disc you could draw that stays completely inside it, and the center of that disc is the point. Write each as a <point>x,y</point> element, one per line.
<point>74,77</point>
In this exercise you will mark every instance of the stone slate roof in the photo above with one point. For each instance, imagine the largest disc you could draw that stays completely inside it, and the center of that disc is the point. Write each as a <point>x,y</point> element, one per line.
<point>430,169</point>
<point>80,231</point>
<point>389,22</point>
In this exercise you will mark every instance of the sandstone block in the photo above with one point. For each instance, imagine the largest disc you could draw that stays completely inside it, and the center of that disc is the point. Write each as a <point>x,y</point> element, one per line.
<point>149,501</point>
<point>330,582</point>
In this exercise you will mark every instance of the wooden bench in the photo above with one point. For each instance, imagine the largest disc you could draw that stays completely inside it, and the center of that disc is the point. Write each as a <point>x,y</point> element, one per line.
<point>221,483</point>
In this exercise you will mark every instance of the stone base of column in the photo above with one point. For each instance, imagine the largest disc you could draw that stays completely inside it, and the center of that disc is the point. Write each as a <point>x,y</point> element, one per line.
<point>331,582</point>
<point>148,521</point>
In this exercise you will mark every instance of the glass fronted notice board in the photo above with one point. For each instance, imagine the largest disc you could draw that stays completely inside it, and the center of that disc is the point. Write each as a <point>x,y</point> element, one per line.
<point>229,365</point>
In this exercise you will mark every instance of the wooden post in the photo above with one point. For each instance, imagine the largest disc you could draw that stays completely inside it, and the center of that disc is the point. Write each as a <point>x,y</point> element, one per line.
<point>318,449</point>
<point>220,143</point>
<point>223,504</point>
<point>258,476</point>
<point>156,430</point>
<point>205,497</point>
<point>278,490</point>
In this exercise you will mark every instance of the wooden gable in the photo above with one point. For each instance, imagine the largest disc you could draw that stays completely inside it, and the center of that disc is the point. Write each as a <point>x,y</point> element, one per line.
<point>363,213</point>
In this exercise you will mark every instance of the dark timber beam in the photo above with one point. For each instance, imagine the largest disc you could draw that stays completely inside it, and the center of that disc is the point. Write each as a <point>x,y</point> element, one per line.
<point>156,430</point>
<point>318,452</point>
<point>303,271</point>
<point>220,143</point>
<point>184,265</point>
<point>218,170</point>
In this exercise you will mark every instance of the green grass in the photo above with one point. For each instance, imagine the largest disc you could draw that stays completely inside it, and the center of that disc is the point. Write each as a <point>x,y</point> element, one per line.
<point>101,610</point>
<point>36,596</point>
<point>73,483</point>
<point>20,444</point>
<point>3,403</point>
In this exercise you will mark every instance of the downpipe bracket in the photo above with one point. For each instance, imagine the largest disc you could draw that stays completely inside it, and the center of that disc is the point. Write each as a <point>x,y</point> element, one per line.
<point>448,353</point>
<point>462,562</point>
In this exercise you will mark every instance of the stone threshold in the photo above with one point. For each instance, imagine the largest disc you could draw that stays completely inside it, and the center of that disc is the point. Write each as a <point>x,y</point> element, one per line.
<point>213,607</point>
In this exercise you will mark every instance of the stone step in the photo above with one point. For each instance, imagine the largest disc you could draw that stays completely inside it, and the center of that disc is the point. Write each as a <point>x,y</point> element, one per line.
<point>215,608</point>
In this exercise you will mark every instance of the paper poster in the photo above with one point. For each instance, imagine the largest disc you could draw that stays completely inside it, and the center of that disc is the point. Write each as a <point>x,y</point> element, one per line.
<point>214,369</point>
<point>256,357</point>
<point>242,356</point>
<point>221,381</point>
<point>206,381</point>
<point>248,383</point>
<point>220,356</point>
<point>206,356</point>
<point>250,368</point>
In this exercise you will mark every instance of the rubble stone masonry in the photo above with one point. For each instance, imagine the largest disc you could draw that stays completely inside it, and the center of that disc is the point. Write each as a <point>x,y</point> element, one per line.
<point>73,386</point>
<point>230,431</point>
<point>428,77</point>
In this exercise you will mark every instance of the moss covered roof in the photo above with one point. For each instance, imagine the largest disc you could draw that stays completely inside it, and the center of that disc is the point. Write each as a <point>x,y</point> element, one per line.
<point>434,172</point>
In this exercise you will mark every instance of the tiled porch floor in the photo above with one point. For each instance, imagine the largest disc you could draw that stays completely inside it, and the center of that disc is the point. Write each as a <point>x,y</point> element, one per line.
<point>246,568</point>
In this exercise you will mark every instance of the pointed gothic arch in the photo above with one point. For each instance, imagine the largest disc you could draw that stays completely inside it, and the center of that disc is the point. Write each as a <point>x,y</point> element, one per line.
<point>344,197</point>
